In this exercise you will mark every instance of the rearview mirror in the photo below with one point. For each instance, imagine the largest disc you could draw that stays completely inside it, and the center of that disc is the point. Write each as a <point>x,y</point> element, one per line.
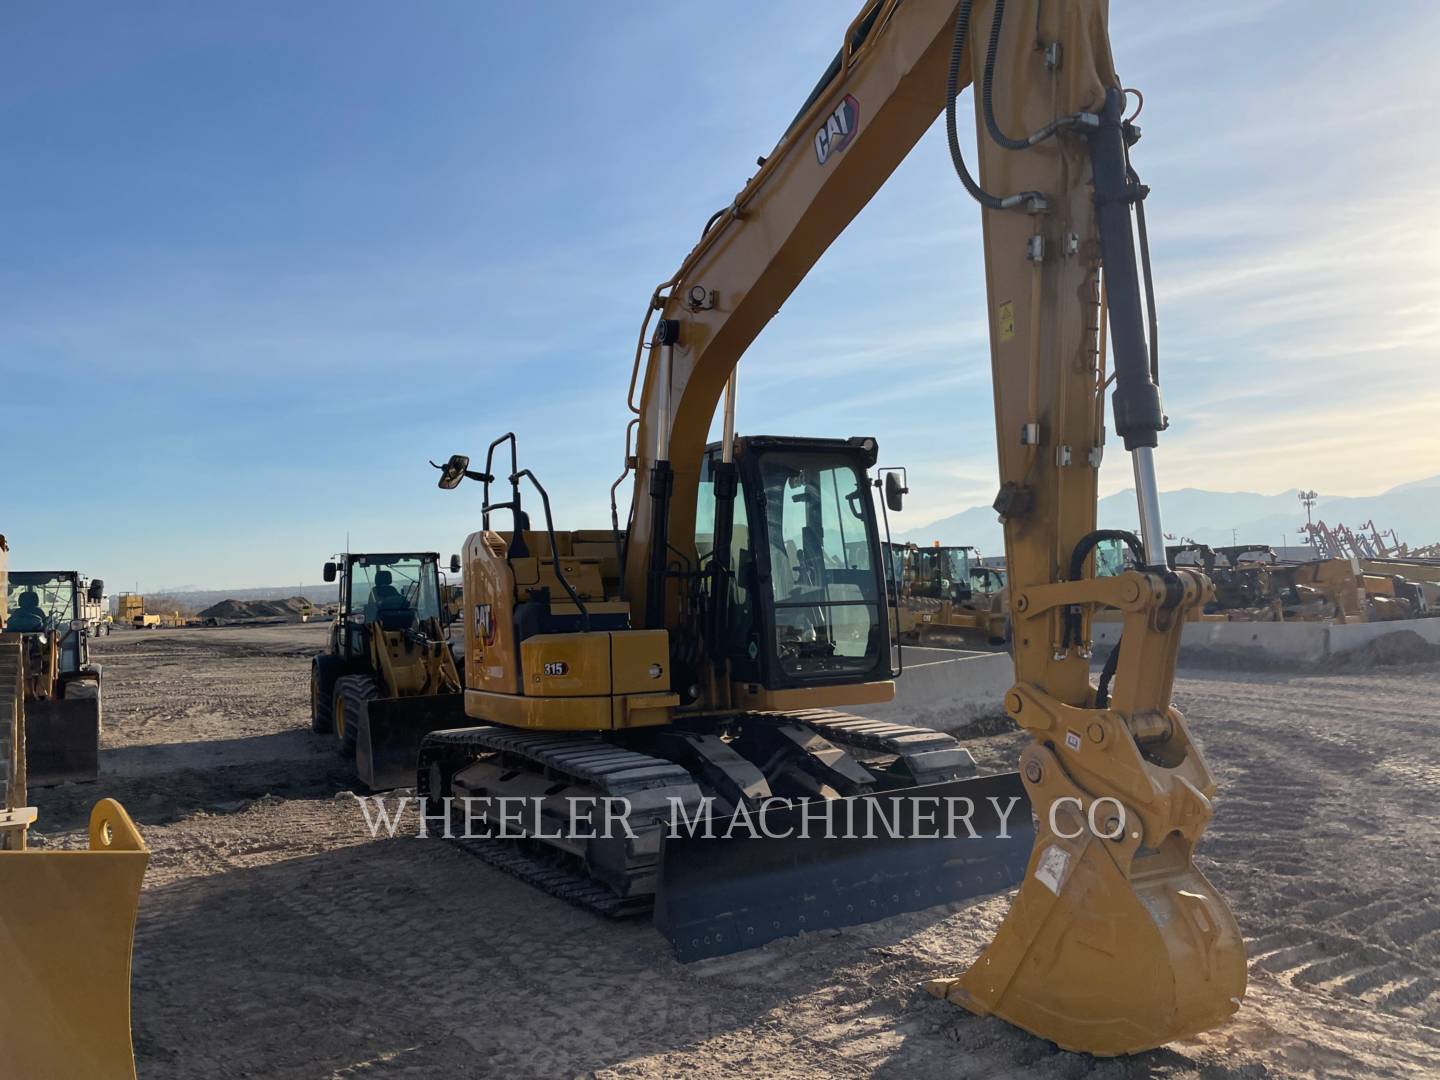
<point>453,471</point>
<point>329,571</point>
<point>454,564</point>
<point>895,491</point>
<point>97,590</point>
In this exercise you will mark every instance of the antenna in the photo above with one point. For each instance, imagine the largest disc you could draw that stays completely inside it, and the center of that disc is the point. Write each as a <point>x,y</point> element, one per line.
<point>1308,498</point>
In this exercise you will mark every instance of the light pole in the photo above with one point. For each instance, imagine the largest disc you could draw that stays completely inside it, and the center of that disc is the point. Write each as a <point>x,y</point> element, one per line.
<point>1308,498</point>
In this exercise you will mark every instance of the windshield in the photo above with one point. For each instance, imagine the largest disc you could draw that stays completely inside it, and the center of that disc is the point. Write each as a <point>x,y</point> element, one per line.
<point>39,602</point>
<point>827,605</point>
<point>940,573</point>
<point>379,582</point>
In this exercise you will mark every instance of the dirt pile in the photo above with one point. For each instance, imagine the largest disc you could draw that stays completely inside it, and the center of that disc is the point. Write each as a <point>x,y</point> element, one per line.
<point>257,609</point>
<point>1391,650</point>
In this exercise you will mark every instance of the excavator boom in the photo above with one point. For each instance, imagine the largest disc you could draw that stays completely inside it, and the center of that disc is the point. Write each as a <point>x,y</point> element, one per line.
<point>1115,942</point>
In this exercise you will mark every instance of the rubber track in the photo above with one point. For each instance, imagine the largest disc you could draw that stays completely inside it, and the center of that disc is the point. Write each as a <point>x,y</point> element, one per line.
<point>615,770</point>
<point>554,877</point>
<point>874,735</point>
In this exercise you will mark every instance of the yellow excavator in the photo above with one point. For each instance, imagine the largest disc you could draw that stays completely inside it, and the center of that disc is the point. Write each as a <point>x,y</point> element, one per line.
<point>700,652</point>
<point>67,918</point>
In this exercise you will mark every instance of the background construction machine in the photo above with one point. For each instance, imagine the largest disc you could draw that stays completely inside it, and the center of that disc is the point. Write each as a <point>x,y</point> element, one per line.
<point>699,650</point>
<point>47,613</point>
<point>388,676</point>
<point>941,592</point>
<point>67,918</point>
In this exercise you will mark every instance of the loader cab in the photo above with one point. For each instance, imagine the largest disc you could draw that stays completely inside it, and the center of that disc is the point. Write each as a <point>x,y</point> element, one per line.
<point>804,603</point>
<point>399,591</point>
<point>50,603</point>
<point>941,573</point>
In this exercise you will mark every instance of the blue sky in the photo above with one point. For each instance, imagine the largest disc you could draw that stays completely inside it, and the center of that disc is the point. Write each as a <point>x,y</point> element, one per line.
<point>262,260</point>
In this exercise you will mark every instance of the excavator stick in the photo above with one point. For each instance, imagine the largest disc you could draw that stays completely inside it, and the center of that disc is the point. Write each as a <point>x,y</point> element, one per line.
<point>740,883</point>
<point>62,739</point>
<point>67,925</point>
<point>389,731</point>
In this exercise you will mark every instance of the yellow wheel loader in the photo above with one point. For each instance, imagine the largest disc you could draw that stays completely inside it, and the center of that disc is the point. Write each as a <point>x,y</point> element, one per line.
<point>388,677</point>
<point>67,918</point>
<point>690,663</point>
<point>62,687</point>
<point>941,592</point>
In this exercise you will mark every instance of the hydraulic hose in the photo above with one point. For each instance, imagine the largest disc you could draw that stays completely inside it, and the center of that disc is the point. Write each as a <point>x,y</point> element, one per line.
<point>1107,674</point>
<point>987,99</point>
<point>1078,555</point>
<point>987,84</point>
<point>952,91</point>
<point>1033,200</point>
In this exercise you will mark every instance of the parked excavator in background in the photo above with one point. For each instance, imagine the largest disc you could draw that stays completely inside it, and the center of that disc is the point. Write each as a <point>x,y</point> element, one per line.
<point>699,651</point>
<point>47,611</point>
<point>388,677</point>
<point>67,917</point>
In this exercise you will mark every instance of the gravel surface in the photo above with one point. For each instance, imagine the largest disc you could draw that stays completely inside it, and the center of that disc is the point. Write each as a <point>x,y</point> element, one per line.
<point>276,939</point>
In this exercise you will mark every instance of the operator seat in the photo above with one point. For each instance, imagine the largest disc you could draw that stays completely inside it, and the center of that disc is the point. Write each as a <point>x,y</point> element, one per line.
<point>28,617</point>
<point>391,610</point>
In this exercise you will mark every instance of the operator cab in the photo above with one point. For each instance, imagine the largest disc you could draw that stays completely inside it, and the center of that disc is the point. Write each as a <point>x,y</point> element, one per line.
<point>43,602</point>
<point>941,573</point>
<point>398,591</point>
<point>804,602</point>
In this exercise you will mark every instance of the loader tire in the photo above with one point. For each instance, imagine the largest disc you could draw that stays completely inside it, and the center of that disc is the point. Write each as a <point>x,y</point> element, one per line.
<point>352,695</point>
<point>324,670</point>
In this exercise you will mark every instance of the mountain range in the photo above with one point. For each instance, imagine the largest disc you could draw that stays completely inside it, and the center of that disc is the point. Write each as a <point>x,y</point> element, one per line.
<point>1220,518</point>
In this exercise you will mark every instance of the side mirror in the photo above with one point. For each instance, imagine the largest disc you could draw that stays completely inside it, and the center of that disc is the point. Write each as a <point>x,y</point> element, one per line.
<point>97,590</point>
<point>454,564</point>
<point>329,571</point>
<point>453,471</point>
<point>895,492</point>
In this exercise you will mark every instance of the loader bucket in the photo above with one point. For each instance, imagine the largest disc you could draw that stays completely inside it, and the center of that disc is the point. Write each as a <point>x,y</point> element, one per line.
<point>388,734</point>
<point>67,924</point>
<point>720,894</point>
<point>62,741</point>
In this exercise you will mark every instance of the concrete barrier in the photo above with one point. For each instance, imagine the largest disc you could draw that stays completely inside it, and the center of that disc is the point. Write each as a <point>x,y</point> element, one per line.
<point>1352,636</point>
<point>945,690</point>
<point>1298,642</point>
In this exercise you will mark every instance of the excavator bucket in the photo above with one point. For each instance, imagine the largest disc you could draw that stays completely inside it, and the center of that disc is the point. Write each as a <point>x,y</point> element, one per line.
<point>864,859</point>
<point>388,733</point>
<point>1109,948</point>
<point>67,924</point>
<point>62,740</point>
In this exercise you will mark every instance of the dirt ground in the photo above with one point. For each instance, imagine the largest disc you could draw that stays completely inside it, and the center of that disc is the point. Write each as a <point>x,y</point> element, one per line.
<point>276,939</point>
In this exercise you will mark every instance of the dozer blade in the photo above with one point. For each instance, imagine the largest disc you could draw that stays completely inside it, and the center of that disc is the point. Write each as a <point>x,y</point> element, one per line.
<point>67,925</point>
<point>892,852</point>
<point>388,734</point>
<point>62,741</point>
<point>1109,948</point>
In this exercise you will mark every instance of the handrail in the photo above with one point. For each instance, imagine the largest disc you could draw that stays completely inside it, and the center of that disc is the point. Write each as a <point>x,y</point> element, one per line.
<point>554,546</point>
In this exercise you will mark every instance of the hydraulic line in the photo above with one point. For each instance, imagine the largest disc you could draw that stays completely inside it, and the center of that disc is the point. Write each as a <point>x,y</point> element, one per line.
<point>988,102</point>
<point>1032,199</point>
<point>1087,543</point>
